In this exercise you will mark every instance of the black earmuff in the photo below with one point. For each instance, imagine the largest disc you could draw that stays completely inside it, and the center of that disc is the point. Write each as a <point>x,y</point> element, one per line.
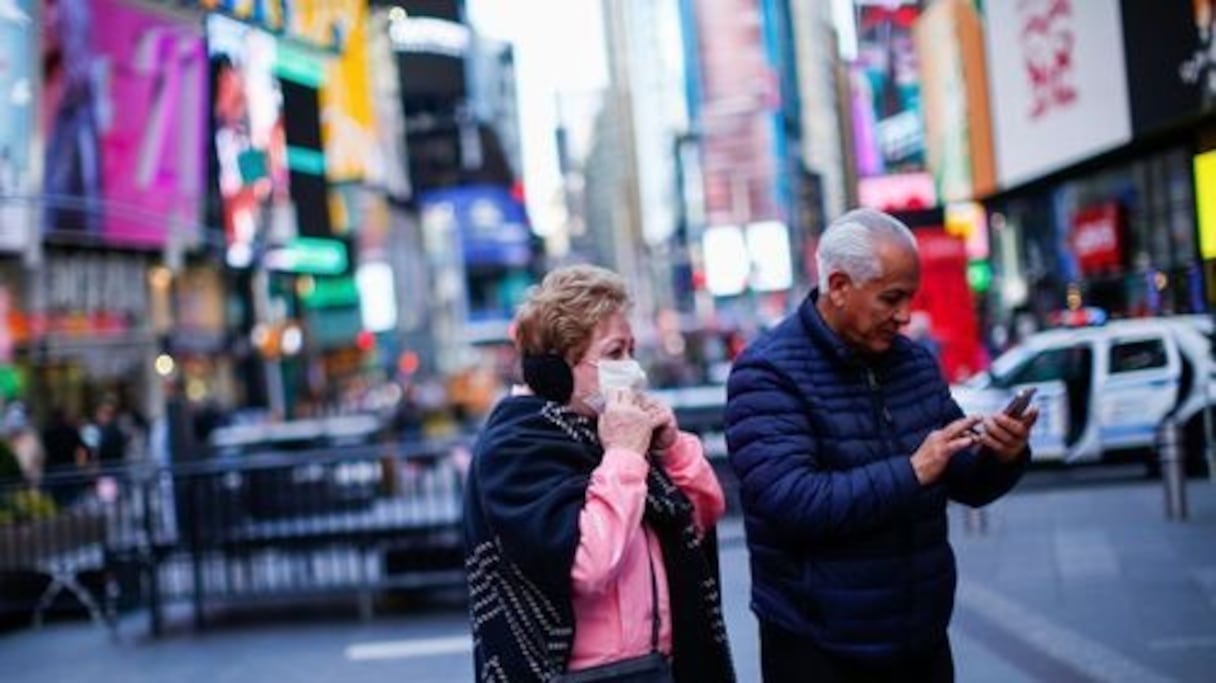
<point>549,376</point>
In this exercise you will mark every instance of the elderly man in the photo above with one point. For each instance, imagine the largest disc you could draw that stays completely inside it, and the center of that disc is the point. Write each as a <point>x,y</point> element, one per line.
<point>847,446</point>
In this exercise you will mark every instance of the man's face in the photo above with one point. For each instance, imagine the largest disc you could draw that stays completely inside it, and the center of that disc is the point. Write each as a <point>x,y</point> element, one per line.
<point>872,313</point>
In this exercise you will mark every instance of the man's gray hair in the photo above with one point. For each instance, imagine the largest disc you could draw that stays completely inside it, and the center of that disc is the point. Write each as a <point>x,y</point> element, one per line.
<point>848,245</point>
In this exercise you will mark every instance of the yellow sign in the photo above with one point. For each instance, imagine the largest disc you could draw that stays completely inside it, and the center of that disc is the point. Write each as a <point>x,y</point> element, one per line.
<point>346,102</point>
<point>1205,201</point>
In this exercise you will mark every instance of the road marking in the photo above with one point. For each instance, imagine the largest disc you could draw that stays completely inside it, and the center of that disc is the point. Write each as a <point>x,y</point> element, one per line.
<point>406,649</point>
<point>1088,657</point>
<point>1183,643</point>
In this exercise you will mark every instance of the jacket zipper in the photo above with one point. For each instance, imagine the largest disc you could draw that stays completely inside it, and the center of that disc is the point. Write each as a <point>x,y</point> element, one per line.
<point>881,414</point>
<point>886,423</point>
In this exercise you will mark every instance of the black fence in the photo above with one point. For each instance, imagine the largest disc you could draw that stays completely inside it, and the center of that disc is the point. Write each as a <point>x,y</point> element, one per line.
<point>235,527</point>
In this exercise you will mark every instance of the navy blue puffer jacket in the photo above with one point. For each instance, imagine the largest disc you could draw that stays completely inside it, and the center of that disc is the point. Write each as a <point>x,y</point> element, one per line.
<point>847,548</point>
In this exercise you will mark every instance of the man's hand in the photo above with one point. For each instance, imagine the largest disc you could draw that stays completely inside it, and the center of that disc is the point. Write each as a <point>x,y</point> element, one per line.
<point>935,452</point>
<point>667,430</point>
<point>1007,436</point>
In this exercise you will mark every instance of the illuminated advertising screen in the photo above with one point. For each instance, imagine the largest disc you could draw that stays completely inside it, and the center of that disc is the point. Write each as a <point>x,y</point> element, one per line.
<point>1169,47</point>
<point>323,24</point>
<point>346,102</point>
<point>954,97</point>
<point>738,97</point>
<point>492,224</point>
<point>887,66</point>
<point>123,116</point>
<point>16,120</point>
<point>430,55</point>
<point>249,136</point>
<point>265,13</point>
<point>1205,203</point>
<point>1058,83</point>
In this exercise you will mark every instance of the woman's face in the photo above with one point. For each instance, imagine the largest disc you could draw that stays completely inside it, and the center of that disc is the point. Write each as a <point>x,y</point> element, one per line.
<point>230,97</point>
<point>612,339</point>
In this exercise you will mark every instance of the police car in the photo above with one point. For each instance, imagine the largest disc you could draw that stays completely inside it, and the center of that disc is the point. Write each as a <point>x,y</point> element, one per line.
<point>1104,389</point>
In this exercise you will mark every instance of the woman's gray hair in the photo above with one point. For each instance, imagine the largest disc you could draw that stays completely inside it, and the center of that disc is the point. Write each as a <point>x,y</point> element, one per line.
<point>848,245</point>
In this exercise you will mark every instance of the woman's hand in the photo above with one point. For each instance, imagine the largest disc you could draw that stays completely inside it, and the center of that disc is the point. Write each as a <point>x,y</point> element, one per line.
<point>663,421</point>
<point>625,423</point>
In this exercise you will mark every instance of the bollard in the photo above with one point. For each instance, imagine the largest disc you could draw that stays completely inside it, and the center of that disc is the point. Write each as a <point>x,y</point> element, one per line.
<point>975,521</point>
<point>1173,469</point>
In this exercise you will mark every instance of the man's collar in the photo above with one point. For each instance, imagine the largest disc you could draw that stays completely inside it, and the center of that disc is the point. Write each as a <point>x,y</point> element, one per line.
<point>822,334</point>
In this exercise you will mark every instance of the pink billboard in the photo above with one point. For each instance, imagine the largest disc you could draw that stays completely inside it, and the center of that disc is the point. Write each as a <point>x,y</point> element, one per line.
<point>124,118</point>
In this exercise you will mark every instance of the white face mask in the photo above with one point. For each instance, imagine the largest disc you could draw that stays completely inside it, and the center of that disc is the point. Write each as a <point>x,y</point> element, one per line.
<point>614,375</point>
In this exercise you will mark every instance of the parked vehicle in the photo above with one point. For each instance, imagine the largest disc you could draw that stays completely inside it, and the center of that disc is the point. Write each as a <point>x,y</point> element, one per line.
<point>1104,389</point>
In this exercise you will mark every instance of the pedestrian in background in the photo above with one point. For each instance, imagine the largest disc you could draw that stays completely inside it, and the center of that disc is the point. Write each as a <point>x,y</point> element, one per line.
<point>587,510</point>
<point>847,446</point>
<point>25,442</point>
<point>67,456</point>
<point>104,436</point>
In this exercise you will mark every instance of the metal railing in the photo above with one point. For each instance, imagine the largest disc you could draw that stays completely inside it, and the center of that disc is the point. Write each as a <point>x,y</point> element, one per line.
<point>232,529</point>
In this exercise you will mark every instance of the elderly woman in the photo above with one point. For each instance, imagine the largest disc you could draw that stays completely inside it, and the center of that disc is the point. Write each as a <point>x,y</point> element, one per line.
<point>586,508</point>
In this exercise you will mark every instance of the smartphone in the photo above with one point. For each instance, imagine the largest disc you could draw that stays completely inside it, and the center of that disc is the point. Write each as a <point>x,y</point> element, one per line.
<point>1020,402</point>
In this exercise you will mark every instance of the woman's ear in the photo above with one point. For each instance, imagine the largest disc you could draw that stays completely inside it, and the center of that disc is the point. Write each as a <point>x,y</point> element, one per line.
<point>549,376</point>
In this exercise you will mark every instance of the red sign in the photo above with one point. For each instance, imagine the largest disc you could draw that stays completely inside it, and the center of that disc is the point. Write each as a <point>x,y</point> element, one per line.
<point>1095,238</point>
<point>902,192</point>
<point>944,303</point>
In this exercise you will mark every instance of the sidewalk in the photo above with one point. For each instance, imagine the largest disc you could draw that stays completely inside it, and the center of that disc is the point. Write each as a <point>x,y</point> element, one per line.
<point>1089,582</point>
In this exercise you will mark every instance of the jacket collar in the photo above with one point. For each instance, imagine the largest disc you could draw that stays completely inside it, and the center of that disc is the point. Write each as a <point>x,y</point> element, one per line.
<point>832,344</point>
<point>823,336</point>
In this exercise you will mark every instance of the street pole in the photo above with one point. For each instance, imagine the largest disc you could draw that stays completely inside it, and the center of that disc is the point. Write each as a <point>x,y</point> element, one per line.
<point>264,315</point>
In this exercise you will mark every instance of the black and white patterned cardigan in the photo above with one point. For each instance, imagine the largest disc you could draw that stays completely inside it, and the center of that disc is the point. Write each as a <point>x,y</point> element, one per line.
<point>526,487</point>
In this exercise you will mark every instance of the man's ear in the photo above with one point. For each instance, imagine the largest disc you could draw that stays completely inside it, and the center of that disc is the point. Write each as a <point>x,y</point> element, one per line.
<point>838,285</point>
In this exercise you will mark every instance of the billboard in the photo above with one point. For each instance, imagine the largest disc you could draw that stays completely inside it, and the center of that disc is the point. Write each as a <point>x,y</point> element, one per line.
<point>739,97</point>
<point>954,92</point>
<point>1171,65</point>
<point>348,126</point>
<point>265,13</point>
<point>323,24</point>
<point>886,88</point>
<point>1057,81</point>
<point>1096,238</point>
<point>492,224</point>
<point>16,120</point>
<point>123,117</point>
<point>902,192</point>
<point>1205,203</point>
<point>249,136</point>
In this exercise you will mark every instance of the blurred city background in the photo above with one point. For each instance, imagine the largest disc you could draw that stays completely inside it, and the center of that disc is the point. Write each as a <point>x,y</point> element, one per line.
<point>258,261</point>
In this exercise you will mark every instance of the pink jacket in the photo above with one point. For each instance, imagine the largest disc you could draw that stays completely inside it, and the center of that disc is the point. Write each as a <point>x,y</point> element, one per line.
<point>611,574</point>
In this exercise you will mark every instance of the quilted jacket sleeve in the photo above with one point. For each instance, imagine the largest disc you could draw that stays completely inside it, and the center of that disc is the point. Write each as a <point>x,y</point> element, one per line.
<point>778,460</point>
<point>976,477</point>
